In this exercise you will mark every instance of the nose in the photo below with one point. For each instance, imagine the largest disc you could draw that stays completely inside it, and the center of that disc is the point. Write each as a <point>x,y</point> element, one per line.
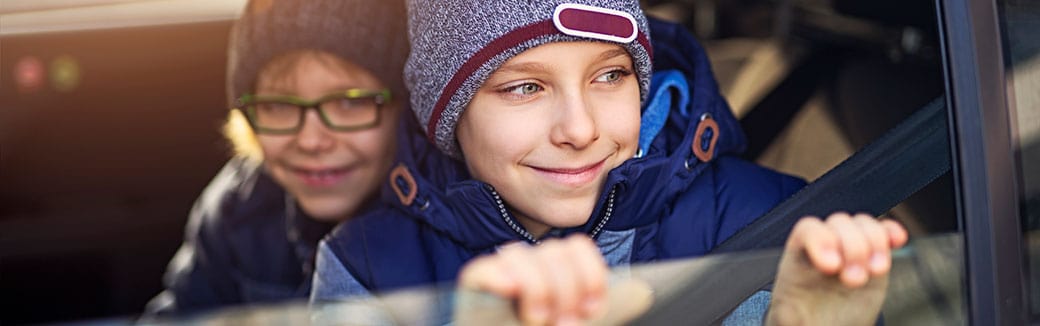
<point>575,122</point>
<point>314,137</point>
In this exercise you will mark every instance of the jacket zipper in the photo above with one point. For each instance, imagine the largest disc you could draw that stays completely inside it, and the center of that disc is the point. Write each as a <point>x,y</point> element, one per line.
<point>606,214</point>
<point>509,218</point>
<point>513,224</point>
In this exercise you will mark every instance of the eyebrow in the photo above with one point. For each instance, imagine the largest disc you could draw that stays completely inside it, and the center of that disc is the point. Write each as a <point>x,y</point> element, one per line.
<point>525,67</point>
<point>533,67</point>
<point>610,54</point>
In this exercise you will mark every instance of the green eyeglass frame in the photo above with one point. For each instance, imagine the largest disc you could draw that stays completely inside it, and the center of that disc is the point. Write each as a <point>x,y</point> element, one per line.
<point>247,104</point>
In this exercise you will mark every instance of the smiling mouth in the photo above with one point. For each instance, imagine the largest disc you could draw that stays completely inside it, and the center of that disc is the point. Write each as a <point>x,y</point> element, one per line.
<point>321,177</point>
<point>573,177</point>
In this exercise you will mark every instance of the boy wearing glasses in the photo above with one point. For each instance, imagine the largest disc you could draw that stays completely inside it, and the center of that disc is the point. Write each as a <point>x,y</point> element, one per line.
<point>315,89</point>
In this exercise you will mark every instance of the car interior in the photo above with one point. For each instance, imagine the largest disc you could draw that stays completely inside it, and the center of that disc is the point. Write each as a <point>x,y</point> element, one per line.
<point>110,115</point>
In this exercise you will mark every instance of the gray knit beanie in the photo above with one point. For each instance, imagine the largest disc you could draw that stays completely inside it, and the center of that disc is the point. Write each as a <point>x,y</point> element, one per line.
<point>457,44</point>
<point>370,34</point>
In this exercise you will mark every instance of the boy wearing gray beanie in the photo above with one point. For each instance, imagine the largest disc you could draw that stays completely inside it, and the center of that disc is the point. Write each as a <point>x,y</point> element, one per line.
<point>315,89</point>
<point>576,152</point>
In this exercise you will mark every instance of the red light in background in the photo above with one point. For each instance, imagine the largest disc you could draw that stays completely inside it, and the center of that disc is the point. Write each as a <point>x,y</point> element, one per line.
<point>28,74</point>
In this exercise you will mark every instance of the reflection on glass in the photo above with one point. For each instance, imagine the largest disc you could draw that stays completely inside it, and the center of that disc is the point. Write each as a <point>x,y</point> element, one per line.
<point>926,283</point>
<point>924,289</point>
<point>1020,19</point>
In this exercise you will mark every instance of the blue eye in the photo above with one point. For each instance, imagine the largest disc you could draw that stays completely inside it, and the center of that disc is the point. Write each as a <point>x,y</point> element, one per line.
<point>613,76</point>
<point>523,89</point>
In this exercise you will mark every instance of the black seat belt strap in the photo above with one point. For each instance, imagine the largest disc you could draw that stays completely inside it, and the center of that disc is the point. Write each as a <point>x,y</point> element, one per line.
<point>873,180</point>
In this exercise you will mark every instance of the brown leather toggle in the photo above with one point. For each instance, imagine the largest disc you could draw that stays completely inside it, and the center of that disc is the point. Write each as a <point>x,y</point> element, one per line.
<point>402,172</point>
<point>706,125</point>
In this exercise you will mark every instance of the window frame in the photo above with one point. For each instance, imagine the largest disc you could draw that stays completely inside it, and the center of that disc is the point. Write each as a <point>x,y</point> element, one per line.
<point>983,161</point>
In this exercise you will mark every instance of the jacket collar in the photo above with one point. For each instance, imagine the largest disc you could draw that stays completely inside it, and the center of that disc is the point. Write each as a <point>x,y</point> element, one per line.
<point>471,213</point>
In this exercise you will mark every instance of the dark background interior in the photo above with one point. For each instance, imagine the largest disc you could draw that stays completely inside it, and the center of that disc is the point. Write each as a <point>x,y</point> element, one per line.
<point>96,182</point>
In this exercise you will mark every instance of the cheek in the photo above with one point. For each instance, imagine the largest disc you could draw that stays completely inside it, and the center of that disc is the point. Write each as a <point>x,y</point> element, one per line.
<point>630,125</point>
<point>621,119</point>
<point>373,144</point>
<point>274,147</point>
<point>495,147</point>
<point>376,144</point>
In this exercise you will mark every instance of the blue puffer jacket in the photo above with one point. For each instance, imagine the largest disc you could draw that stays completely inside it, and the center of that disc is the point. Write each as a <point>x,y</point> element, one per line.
<point>669,203</point>
<point>246,242</point>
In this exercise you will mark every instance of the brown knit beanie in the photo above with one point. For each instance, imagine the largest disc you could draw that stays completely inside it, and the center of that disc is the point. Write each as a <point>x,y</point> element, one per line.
<point>371,34</point>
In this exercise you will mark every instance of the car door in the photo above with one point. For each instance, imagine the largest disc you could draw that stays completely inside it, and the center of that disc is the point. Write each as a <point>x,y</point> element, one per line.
<point>990,53</point>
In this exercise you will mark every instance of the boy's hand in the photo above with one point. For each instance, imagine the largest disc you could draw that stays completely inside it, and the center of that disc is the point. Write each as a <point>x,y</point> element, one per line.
<point>560,282</point>
<point>835,272</point>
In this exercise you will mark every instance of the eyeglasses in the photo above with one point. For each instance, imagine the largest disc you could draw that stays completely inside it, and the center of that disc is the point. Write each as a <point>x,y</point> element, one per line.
<point>349,110</point>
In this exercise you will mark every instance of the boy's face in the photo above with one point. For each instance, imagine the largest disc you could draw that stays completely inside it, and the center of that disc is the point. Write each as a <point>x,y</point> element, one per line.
<point>548,125</point>
<point>330,173</point>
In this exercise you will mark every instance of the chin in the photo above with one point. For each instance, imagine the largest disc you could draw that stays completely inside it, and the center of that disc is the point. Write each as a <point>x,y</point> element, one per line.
<point>328,218</point>
<point>572,218</point>
<point>324,211</point>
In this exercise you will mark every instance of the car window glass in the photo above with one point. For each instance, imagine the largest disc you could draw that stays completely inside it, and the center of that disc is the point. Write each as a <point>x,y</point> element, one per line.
<point>1020,20</point>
